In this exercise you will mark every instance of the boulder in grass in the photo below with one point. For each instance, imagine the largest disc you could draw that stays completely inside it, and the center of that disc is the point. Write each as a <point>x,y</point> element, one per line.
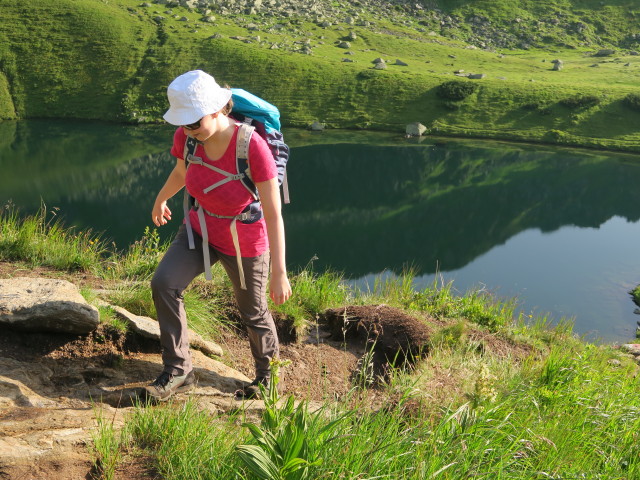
<point>604,52</point>
<point>415,129</point>
<point>395,336</point>
<point>632,348</point>
<point>45,305</point>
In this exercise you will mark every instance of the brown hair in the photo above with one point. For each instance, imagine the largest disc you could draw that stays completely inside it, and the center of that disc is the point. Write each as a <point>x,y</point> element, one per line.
<point>226,110</point>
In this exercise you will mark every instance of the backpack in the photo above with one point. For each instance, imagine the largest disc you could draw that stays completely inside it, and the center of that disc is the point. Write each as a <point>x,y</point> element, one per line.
<point>254,114</point>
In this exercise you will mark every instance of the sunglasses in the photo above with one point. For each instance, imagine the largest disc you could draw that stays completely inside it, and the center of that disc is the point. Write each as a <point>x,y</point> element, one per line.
<point>193,126</point>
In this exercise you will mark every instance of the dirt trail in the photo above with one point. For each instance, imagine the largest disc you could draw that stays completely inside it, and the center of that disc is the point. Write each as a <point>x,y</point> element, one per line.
<point>52,386</point>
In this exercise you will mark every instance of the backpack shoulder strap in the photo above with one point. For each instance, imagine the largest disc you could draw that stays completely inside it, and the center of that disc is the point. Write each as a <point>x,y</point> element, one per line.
<point>189,151</point>
<point>190,145</point>
<point>242,157</point>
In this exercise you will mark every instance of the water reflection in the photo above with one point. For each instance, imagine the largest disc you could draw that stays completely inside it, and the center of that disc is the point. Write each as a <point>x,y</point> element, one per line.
<point>364,203</point>
<point>100,176</point>
<point>367,208</point>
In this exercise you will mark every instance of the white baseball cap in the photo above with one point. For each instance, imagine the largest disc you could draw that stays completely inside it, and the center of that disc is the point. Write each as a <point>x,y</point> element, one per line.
<point>193,95</point>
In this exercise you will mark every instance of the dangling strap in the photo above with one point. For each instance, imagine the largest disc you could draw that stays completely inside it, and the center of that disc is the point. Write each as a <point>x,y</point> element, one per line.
<point>205,244</point>
<point>236,244</point>
<point>285,188</point>
<point>234,237</point>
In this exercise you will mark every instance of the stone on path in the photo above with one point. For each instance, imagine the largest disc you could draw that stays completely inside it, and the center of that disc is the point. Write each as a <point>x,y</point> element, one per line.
<point>42,304</point>
<point>149,328</point>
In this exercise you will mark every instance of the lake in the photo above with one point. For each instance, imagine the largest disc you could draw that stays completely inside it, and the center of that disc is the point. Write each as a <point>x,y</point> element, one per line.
<point>555,228</point>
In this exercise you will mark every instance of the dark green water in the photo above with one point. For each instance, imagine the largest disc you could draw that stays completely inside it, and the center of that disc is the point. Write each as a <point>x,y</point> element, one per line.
<point>558,229</point>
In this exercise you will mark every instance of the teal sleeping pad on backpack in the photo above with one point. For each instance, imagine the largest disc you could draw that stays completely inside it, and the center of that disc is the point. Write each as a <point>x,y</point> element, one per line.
<point>251,106</point>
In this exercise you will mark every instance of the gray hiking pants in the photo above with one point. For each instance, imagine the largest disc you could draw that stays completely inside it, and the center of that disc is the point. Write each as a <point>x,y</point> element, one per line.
<point>177,269</point>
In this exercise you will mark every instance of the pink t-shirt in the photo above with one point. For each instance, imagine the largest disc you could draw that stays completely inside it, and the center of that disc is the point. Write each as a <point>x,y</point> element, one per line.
<point>230,198</point>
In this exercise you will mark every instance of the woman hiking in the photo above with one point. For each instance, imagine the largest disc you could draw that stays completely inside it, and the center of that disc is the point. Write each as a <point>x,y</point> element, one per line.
<point>224,227</point>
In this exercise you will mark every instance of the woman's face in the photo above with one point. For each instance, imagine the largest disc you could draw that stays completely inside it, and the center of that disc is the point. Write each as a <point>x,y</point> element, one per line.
<point>203,128</point>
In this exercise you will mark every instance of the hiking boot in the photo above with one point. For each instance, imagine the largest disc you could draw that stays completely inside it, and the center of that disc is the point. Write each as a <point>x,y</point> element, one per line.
<point>167,384</point>
<point>252,390</point>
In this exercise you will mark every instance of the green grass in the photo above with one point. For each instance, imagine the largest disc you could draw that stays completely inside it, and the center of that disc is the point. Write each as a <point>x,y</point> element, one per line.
<point>43,240</point>
<point>121,74</point>
<point>496,397</point>
<point>106,447</point>
<point>635,294</point>
<point>570,414</point>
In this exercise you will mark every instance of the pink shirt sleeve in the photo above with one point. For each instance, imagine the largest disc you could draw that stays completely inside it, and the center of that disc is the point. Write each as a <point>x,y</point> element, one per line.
<point>179,137</point>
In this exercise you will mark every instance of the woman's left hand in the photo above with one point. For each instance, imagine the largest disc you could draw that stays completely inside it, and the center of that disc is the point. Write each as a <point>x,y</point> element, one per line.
<point>280,289</point>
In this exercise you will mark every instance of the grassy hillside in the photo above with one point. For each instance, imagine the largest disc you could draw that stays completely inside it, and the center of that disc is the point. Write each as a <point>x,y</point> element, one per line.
<point>113,59</point>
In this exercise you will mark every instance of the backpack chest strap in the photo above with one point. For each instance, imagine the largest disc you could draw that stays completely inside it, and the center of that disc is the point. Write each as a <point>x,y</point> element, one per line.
<point>193,160</point>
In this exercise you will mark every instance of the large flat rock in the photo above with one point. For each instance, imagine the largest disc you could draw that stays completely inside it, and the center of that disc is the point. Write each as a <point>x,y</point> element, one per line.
<point>45,305</point>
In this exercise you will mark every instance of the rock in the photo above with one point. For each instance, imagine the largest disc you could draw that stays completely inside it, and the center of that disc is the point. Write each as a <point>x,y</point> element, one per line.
<point>344,45</point>
<point>557,65</point>
<point>50,433</point>
<point>476,76</point>
<point>317,126</point>
<point>149,328</point>
<point>401,63</point>
<point>347,60</point>
<point>415,129</point>
<point>39,304</point>
<point>632,348</point>
<point>380,66</point>
<point>604,52</point>
<point>378,60</point>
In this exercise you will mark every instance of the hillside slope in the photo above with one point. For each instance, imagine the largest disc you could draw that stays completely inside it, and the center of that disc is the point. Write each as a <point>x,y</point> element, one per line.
<point>112,60</point>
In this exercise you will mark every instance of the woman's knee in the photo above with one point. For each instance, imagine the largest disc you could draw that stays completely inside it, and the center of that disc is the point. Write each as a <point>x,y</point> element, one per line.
<point>160,282</point>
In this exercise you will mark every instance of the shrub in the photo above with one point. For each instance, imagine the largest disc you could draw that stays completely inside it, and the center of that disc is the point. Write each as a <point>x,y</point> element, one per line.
<point>452,105</point>
<point>632,101</point>
<point>581,101</point>
<point>538,106</point>
<point>456,90</point>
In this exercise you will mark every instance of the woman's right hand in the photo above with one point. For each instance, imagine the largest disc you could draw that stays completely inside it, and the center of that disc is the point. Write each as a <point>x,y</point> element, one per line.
<point>160,214</point>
